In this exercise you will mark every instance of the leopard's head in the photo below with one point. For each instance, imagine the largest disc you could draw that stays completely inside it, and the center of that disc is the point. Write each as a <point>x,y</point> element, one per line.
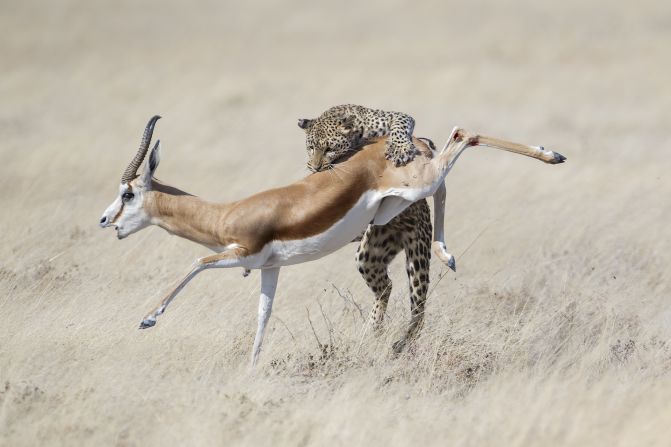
<point>328,138</point>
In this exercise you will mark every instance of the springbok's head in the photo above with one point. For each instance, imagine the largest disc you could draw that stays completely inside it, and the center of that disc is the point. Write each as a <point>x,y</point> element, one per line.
<point>127,214</point>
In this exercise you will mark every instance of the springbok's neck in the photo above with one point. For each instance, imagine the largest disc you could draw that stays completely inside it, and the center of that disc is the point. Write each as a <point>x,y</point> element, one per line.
<point>187,216</point>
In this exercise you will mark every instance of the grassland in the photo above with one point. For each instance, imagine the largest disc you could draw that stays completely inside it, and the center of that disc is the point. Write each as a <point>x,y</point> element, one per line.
<point>555,330</point>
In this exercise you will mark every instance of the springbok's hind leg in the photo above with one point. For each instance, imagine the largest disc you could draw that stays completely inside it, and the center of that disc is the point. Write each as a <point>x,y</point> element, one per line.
<point>439,247</point>
<point>229,258</point>
<point>461,139</point>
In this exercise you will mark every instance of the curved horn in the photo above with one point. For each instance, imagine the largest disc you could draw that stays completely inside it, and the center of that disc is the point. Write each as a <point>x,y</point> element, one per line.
<point>131,170</point>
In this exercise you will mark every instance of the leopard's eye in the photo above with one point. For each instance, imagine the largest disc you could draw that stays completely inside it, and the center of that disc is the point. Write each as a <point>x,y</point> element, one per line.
<point>127,196</point>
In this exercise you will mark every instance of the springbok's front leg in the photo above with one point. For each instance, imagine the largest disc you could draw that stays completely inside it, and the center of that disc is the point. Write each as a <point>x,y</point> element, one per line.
<point>268,287</point>
<point>228,258</point>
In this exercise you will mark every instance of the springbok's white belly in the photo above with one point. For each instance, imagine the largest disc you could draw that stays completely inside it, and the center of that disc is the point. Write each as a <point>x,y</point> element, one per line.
<point>350,226</point>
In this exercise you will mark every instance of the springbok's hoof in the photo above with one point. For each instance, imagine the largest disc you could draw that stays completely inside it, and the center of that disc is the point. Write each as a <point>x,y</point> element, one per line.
<point>440,251</point>
<point>558,158</point>
<point>147,323</point>
<point>451,263</point>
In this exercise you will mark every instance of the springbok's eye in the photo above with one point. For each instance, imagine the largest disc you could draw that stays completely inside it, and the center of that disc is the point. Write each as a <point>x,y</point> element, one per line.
<point>127,196</point>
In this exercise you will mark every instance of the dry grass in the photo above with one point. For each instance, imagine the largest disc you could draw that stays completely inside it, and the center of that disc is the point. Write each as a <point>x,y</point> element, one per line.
<point>554,331</point>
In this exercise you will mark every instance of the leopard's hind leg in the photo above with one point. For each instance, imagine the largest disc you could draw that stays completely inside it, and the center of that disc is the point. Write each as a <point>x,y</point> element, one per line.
<point>379,245</point>
<point>409,231</point>
<point>416,241</point>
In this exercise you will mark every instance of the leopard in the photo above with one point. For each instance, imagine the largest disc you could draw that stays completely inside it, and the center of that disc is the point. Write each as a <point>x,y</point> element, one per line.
<point>332,137</point>
<point>341,129</point>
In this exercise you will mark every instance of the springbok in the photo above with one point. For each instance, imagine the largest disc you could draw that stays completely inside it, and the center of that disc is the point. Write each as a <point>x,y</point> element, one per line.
<point>297,223</point>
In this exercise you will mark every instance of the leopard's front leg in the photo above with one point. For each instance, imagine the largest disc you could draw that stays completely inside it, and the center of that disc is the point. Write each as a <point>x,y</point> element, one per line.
<point>400,148</point>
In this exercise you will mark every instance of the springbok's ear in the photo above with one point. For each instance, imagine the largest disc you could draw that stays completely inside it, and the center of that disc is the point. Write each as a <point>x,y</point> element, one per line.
<point>304,123</point>
<point>152,164</point>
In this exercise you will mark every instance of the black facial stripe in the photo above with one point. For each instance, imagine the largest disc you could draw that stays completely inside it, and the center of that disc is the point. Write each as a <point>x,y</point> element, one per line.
<point>129,190</point>
<point>118,214</point>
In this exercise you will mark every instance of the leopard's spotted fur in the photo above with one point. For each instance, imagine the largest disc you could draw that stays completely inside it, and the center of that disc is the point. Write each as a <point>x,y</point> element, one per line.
<point>410,231</point>
<point>342,130</point>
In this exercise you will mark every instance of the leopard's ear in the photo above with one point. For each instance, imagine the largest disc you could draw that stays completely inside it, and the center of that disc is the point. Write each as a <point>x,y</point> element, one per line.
<point>304,123</point>
<point>346,124</point>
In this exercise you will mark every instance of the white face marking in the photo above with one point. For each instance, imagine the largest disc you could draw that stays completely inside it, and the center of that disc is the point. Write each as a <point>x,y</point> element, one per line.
<point>110,214</point>
<point>126,213</point>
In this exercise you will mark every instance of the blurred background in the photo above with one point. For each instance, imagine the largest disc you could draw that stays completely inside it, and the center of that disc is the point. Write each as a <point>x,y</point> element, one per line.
<point>560,300</point>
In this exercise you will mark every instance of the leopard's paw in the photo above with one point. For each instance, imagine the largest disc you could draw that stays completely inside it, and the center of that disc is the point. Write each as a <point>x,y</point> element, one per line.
<point>401,154</point>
